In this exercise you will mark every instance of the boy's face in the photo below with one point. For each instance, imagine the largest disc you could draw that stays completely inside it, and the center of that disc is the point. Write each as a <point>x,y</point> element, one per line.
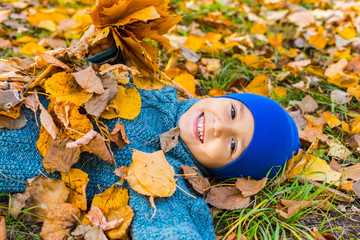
<point>216,130</point>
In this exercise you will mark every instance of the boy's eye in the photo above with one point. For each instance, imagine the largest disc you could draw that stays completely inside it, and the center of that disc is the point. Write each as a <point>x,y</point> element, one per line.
<point>233,146</point>
<point>233,112</point>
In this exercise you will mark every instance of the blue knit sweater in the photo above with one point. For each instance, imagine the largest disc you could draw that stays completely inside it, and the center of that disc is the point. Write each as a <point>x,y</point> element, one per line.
<point>177,217</point>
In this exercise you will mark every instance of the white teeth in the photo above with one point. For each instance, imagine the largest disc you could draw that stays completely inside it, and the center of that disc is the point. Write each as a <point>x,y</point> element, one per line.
<point>200,127</point>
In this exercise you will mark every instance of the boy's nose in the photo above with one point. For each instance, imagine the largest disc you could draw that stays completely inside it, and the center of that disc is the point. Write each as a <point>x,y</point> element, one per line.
<point>221,127</point>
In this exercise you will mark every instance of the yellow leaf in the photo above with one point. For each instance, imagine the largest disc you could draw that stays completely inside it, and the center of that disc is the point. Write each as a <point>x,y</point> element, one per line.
<point>79,124</point>
<point>258,28</point>
<point>83,21</point>
<point>344,54</point>
<point>64,87</point>
<point>276,41</point>
<point>279,92</point>
<point>114,204</point>
<point>127,104</point>
<point>30,47</point>
<point>194,42</point>
<point>43,16</point>
<point>150,174</point>
<point>216,92</point>
<point>76,180</point>
<point>259,85</point>
<point>331,119</point>
<point>354,91</point>
<point>318,41</point>
<point>187,81</point>
<point>45,139</point>
<point>14,112</point>
<point>355,127</point>
<point>347,32</point>
<point>249,59</point>
<point>27,39</point>
<point>48,25</point>
<point>319,170</point>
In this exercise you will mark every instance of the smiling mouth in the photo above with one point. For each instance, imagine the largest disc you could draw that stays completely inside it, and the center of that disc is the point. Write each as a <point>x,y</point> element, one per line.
<point>200,127</point>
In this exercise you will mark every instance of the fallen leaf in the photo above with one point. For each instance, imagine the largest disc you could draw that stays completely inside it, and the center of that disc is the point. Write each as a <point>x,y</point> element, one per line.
<point>89,81</point>
<point>318,41</point>
<point>319,170</point>
<point>96,233</point>
<point>169,139</point>
<point>339,151</point>
<point>216,92</point>
<point>48,122</point>
<point>45,193</point>
<point>335,165</point>
<point>259,85</point>
<point>258,28</point>
<point>287,208</point>
<point>60,221</point>
<point>52,60</point>
<point>347,185</point>
<point>307,105</point>
<point>323,236</point>
<point>30,48</point>
<point>97,218</point>
<point>118,135</point>
<point>352,172</point>
<point>276,41</point>
<point>76,180</point>
<point>150,174</point>
<point>356,188</point>
<point>59,158</point>
<point>97,103</point>
<point>249,187</point>
<point>64,87</point>
<point>127,104</point>
<point>228,198</point>
<point>9,99</point>
<point>121,172</point>
<point>17,203</point>
<point>119,68</point>
<point>331,120</point>
<point>196,180</point>
<point>354,64</point>
<point>114,204</point>
<point>2,228</point>
<point>340,97</point>
<point>11,123</point>
<point>187,81</point>
<point>96,143</point>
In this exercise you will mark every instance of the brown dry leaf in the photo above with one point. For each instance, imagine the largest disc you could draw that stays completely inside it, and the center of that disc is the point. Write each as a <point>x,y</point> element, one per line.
<point>59,158</point>
<point>114,204</point>
<point>17,202</point>
<point>119,68</point>
<point>259,85</point>
<point>2,228</point>
<point>127,104</point>
<point>9,99</point>
<point>331,119</point>
<point>118,135</point>
<point>250,187</point>
<point>62,111</point>
<point>229,198</point>
<point>335,165</point>
<point>307,105</point>
<point>97,103</point>
<point>196,180</point>
<point>150,174</point>
<point>340,97</point>
<point>64,87</point>
<point>52,60</point>
<point>60,221</point>
<point>324,236</point>
<point>354,65</point>
<point>95,233</point>
<point>96,143</point>
<point>352,172</point>
<point>335,75</point>
<point>89,81</point>
<point>48,122</point>
<point>339,151</point>
<point>76,180</point>
<point>11,123</point>
<point>356,188</point>
<point>121,172</point>
<point>45,193</point>
<point>97,218</point>
<point>169,139</point>
<point>287,208</point>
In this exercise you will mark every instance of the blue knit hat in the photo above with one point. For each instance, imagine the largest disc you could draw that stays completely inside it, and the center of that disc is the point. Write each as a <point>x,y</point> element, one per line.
<point>274,141</point>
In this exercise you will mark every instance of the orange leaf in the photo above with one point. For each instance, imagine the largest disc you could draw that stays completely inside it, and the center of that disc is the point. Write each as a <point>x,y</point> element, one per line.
<point>259,85</point>
<point>318,41</point>
<point>258,28</point>
<point>331,119</point>
<point>276,41</point>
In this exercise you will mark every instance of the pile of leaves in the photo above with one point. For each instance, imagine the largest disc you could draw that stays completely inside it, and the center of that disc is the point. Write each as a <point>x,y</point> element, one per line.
<point>302,54</point>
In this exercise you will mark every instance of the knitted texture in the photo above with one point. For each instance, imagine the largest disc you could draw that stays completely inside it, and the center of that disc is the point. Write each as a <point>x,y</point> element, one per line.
<point>177,217</point>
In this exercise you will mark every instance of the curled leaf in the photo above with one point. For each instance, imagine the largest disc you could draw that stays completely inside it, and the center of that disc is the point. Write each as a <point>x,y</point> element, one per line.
<point>198,182</point>
<point>229,198</point>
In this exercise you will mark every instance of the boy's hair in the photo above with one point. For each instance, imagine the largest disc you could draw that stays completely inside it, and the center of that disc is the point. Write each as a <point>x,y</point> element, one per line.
<point>274,141</point>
